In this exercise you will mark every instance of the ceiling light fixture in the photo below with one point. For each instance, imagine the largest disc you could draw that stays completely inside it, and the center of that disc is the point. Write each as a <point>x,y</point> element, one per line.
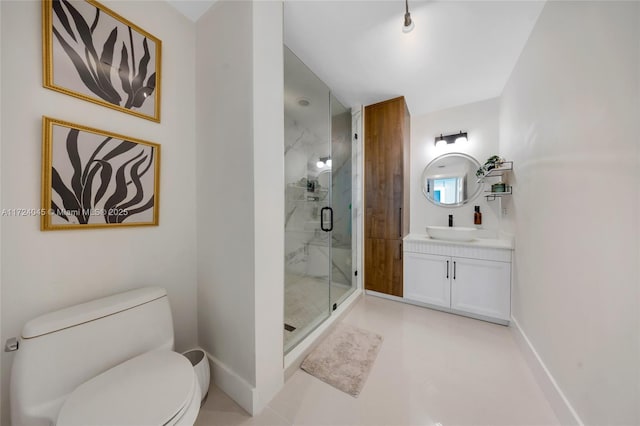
<point>453,138</point>
<point>408,23</point>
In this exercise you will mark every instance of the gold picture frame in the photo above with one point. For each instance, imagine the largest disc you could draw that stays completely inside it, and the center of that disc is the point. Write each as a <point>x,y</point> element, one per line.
<point>95,179</point>
<point>92,53</point>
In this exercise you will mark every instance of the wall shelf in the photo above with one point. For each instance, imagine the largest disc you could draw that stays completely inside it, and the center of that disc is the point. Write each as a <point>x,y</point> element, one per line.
<point>498,171</point>
<point>490,196</point>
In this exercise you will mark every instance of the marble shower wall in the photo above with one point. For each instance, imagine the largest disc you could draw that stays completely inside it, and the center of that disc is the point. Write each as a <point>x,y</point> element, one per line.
<point>341,186</point>
<point>304,194</point>
<point>307,191</point>
<point>341,198</point>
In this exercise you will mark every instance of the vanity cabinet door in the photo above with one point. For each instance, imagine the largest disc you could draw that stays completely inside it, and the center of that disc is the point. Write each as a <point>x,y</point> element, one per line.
<point>481,287</point>
<point>426,278</point>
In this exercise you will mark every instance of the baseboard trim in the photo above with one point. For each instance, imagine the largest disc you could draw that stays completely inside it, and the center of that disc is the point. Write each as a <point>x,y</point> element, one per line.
<point>384,295</point>
<point>557,399</point>
<point>242,392</point>
<point>438,308</point>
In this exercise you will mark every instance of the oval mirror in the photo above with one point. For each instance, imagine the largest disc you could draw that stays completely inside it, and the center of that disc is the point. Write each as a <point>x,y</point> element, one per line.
<point>450,180</point>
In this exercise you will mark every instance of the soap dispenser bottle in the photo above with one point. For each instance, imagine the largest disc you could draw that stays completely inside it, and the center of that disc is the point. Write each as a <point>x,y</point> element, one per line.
<point>477,216</point>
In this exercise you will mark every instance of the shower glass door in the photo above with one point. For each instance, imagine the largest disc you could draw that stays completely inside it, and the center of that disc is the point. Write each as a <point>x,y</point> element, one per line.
<point>318,196</point>
<point>308,196</point>
<point>342,283</point>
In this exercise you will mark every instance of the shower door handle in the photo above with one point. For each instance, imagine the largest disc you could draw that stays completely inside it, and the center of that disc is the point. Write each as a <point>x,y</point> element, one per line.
<point>330,228</point>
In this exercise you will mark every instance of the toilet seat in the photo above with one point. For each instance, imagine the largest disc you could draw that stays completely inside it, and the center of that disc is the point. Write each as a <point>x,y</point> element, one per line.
<point>157,388</point>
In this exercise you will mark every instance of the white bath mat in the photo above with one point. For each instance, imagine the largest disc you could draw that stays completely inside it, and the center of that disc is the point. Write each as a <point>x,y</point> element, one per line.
<point>345,358</point>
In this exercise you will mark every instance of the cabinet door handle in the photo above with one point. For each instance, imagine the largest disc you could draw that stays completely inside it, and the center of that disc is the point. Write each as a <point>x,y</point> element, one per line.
<point>447,269</point>
<point>454,269</point>
<point>400,249</point>
<point>400,222</point>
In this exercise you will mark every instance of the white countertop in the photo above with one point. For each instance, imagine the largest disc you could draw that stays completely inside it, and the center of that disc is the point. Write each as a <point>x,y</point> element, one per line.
<point>478,242</point>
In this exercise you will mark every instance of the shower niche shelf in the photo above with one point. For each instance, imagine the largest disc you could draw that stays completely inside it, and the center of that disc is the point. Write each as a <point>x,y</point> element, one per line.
<point>302,193</point>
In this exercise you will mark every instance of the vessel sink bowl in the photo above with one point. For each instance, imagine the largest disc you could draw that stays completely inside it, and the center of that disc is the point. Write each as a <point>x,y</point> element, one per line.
<point>454,233</point>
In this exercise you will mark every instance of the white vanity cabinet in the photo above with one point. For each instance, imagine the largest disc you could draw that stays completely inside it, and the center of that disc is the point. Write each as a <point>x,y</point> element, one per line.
<point>472,279</point>
<point>427,279</point>
<point>481,287</point>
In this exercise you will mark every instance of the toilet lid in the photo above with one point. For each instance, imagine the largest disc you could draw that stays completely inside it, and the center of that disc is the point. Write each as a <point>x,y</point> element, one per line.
<point>150,389</point>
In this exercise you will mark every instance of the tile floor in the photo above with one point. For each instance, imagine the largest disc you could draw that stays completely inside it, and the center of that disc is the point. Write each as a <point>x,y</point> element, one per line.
<point>433,369</point>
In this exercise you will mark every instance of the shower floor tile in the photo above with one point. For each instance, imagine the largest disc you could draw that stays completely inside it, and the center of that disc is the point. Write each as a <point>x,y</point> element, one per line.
<point>307,304</point>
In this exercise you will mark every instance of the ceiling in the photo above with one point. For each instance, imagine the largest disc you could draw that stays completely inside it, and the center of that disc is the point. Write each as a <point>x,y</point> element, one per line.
<point>192,9</point>
<point>459,52</point>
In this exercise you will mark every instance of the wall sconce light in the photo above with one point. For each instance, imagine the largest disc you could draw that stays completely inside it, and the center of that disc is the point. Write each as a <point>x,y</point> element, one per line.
<point>324,161</point>
<point>453,138</point>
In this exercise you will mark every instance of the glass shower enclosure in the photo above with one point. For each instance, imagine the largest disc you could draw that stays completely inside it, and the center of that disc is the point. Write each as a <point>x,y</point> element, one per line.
<point>318,196</point>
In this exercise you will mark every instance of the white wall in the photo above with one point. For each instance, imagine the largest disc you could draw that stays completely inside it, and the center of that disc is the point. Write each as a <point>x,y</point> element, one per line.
<point>44,271</point>
<point>569,119</point>
<point>225,186</point>
<point>268,160</point>
<point>240,197</point>
<point>2,408</point>
<point>480,120</point>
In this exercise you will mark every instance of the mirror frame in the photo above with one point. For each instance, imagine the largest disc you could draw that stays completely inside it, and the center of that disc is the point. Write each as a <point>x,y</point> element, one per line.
<point>449,154</point>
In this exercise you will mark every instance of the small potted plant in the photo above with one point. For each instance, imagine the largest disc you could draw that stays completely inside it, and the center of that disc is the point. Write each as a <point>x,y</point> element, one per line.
<point>492,162</point>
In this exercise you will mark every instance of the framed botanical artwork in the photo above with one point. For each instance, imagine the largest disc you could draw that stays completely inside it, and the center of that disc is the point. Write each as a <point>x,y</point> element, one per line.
<point>92,178</point>
<point>94,54</point>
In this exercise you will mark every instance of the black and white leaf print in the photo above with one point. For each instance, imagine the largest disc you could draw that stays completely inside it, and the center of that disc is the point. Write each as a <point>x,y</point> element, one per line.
<point>96,179</point>
<point>103,54</point>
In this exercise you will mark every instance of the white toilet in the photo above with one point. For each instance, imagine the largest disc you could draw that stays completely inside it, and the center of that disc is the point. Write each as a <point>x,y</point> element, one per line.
<point>106,362</point>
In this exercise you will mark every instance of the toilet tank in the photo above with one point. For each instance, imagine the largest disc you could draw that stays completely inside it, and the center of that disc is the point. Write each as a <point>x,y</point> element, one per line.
<point>63,349</point>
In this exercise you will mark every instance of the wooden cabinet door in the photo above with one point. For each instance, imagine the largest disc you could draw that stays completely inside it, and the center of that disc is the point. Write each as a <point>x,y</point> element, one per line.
<point>383,266</point>
<point>427,279</point>
<point>384,219</point>
<point>384,146</point>
<point>406,150</point>
<point>481,287</point>
<point>384,170</point>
